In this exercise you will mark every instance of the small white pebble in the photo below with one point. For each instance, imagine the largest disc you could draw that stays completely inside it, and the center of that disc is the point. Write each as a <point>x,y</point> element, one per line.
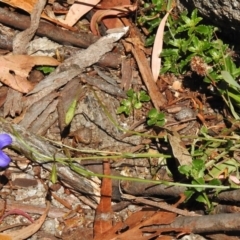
<point>31,192</point>
<point>184,114</point>
<point>49,226</point>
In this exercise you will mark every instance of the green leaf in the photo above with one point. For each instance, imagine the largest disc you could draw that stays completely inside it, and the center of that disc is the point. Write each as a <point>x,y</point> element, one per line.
<point>169,52</point>
<point>53,175</point>
<point>126,103</point>
<point>46,69</point>
<point>121,109</point>
<point>195,19</point>
<point>153,24</point>
<point>186,19</point>
<point>160,123</point>
<point>137,105</point>
<point>185,169</point>
<point>201,198</point>
<point>188,194</point>
<point>215,54</point>
<point>151,121</point>
<point>185,45</point>
<point>149,41</point>
<point>198,164</point>
<point>234,113</point>
<point>177,42</point>
<point>229,79</point>
<point>161,116</point>
<point>157,4</point>
<point>206,30</point>
<point>130,93</point>
<point>144,97</point>
<point>216,182</point>
<point>196,42</point>
<point>152,113</point>
<point>71,112</point>
<point>198,181</point>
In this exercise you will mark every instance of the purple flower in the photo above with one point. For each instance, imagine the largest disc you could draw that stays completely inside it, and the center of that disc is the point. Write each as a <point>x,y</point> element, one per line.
<point>5,140</point>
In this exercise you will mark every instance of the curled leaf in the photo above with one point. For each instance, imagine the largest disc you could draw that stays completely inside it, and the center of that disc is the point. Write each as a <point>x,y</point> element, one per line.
<point>157,48</point>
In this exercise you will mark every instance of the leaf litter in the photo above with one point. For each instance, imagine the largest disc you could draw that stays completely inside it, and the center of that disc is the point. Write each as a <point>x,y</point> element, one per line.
<point>58,106</point>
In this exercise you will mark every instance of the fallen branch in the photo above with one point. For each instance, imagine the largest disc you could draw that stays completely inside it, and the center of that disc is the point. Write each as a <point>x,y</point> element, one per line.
<point>206,224</point>
<point>39,150</point>
<point>46,29</point>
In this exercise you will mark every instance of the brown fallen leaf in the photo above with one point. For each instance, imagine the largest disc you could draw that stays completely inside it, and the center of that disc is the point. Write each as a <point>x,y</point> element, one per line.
<point>130,222</point>
<point>27,5</point>
<point>157,48</point>
<point>116,11</point>
<point>78,9</point>
<point>15,70</point>
<point>179,152</point>
<point>113,22</point>
<point>103,217</point>
<point>27,231</point>
<point>135,231</point>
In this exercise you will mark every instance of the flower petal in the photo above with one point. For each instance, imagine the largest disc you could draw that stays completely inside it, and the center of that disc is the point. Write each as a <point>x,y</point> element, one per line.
<point>4,160</point>
<point>5,140</point>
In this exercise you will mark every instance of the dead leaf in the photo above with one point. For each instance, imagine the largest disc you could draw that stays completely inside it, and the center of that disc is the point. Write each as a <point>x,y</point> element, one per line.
<point>15,70</point>
<point>3,95</point>
<point>27,231</point>
<point>79,9</point>
<point>116,11</point>
<point>179,152</point>
<point>177,85</point>
<point>103,217</point>
<point>157,48</point>
<point>130,222</point>
<point>27,5</point>
<point>113,22</point>
<point>136,225</point>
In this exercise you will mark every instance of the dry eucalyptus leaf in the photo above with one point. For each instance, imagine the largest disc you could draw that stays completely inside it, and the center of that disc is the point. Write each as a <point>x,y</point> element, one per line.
<point>15,70</point>
<point>179,152</point>
<point>157,48</point>
<point>79,9</point>
<point>27,231</point>
<point>27,5</point>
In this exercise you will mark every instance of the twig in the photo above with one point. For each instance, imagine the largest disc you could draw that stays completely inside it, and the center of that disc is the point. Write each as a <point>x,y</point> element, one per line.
<point>161,205</point>
<point>54,33</point>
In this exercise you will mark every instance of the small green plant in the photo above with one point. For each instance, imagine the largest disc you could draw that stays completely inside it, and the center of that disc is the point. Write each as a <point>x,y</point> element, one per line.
<point>196,173</point>
<point>155,118</point>
<point>46,69</point>
<point>134,101</point>
<point>151,17</point>
<point>190,46</point>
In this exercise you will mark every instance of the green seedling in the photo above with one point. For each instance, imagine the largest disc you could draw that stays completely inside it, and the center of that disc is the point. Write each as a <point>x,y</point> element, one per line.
<point>71,112</point>
<point>134,101</point>
<point>53,174</point>
<point>73,105</point>
<point>196,173</point>
<point>46,69</point>
<point>155,118</point>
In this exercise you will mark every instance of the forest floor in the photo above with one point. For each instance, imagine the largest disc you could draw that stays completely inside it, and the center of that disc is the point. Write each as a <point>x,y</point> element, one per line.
<point>79,168</point>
